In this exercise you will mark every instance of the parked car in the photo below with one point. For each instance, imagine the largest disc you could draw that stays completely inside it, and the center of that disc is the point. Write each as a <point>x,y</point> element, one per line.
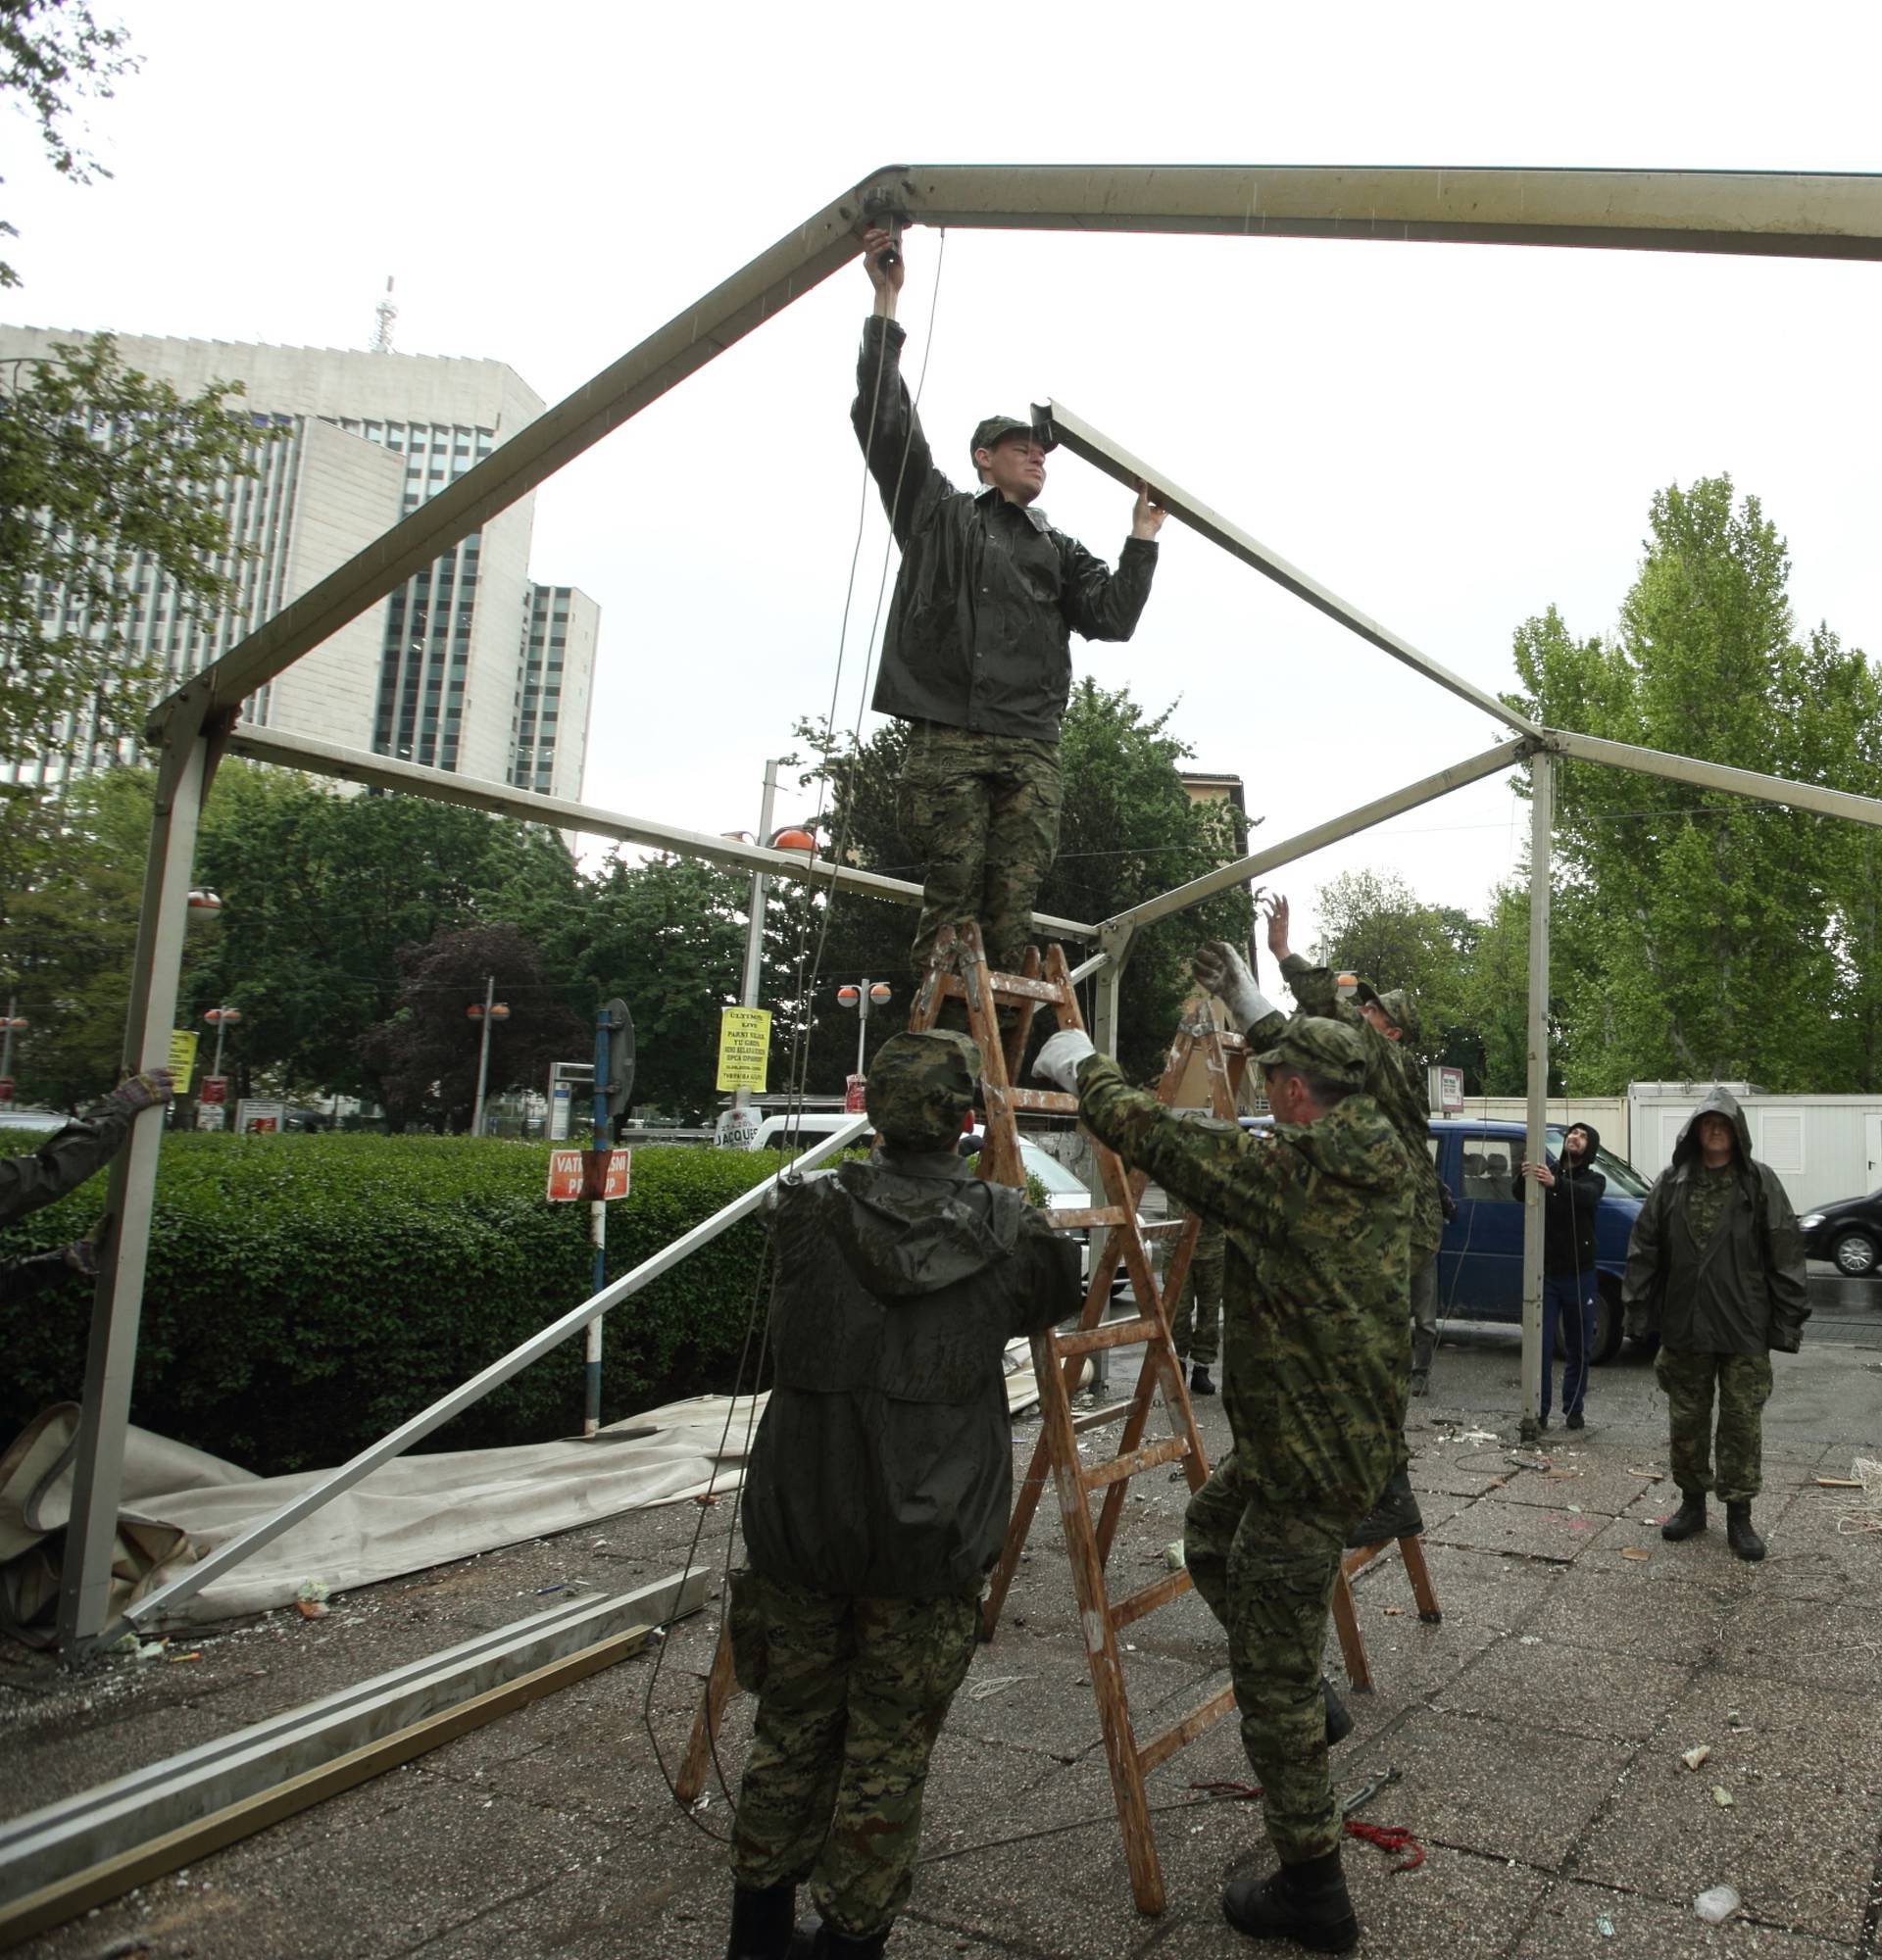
<point>1847,1233</point>
<point>1480,1260</point>
<point>46,1121</point>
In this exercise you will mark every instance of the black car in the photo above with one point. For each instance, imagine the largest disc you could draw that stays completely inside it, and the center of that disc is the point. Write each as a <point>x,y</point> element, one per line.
<point>1847,1233</point>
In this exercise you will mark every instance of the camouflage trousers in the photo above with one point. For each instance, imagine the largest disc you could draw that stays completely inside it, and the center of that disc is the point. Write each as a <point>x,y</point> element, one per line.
<point>1196,1324</point>
<point>851,1696</point>
<point>983,813</point>
<point>1266,1571</point>
<point>1744,1385</point>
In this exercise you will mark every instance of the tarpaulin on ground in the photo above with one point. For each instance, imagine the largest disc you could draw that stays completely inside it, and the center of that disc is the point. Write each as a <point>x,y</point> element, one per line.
<point>178,1504</point>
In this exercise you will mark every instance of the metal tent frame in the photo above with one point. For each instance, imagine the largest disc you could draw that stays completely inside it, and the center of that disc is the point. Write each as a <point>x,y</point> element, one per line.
<point>1786,215</point>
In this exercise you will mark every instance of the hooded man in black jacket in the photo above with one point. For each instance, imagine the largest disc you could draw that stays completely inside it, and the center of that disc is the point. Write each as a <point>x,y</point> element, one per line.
<point>1716,1269</point>
<point>1572,1189</point>
<point>878,1497</point>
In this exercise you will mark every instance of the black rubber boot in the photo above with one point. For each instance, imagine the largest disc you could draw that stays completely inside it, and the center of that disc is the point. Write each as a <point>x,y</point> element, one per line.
<point>763,1925</point>
<point>1307,1903</point>
<point>1688,1520</point>
<point>1339,1718</point>
<point>830,1945</point>
<point>1421,1384</point>
<point>1201,1382</point>
<point>1738,1534</point>
<point>1395,1515</point>
<point>1574,1421</point>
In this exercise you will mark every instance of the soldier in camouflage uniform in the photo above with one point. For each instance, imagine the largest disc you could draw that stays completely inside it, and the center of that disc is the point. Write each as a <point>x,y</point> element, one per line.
<point>977,655</point>
<point>1393,1084</point>
<point>878,1497</point>
<point>1316,1219</point>
<point>1716,1269</point>
<point>1195,1324</point>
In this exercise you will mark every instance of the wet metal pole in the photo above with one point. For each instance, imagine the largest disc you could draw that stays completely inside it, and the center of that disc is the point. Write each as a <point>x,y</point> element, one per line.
<point>483,1054</point>
<point>1542,814</point>
<point>755,926</point>
<point>598,1230</point>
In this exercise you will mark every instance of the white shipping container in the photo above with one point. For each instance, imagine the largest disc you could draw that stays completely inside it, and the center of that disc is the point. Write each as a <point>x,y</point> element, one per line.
<point>1823,1146</point>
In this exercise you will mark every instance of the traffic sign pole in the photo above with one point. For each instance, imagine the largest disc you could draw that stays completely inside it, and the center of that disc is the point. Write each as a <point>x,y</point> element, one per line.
<point>598,1226</point>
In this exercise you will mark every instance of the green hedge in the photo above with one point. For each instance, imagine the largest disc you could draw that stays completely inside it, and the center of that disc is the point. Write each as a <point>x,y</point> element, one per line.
<point>305,1294</point>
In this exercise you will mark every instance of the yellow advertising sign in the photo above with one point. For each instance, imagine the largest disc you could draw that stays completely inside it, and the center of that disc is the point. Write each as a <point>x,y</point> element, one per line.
<point>182,1058</point>
<point>744,1046</point>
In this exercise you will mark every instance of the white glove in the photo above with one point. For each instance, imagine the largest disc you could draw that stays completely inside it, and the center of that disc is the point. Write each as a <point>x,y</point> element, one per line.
<point>1059,1059</point>
<point>1224,972</point>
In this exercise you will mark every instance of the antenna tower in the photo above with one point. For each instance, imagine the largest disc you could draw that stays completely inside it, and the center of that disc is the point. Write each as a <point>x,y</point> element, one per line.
<point>384,314</point>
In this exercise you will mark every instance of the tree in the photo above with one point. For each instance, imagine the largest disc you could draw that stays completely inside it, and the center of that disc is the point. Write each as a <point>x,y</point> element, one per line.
<point>1708,936</point>
<point>1130,830</point>
<point>51,52</point>
<point>424,1058</point>
<point>104,473</point>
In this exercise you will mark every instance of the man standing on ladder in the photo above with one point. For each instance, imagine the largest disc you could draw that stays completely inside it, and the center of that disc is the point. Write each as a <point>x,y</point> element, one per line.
<point>878,1497</point>
<point>1318,1221</point>
<point>976,657</point>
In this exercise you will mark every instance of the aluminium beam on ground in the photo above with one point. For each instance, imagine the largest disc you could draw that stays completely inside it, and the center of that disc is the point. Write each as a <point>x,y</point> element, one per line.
<point>193,1577</point>
<point>1749,783</point>
<point>1786,214</point>
<point>94,1825</point>
<point>1098,449</point>
<point>1472,769</point>
<point>360,765</point>
<point>1542,822</point>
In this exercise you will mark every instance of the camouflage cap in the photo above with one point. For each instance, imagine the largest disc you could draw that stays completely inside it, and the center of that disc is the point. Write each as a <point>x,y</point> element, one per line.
<point>1315,1046</point>
<point>996,428</point>
<point>1397,1007</point>
<point>921,1086</point>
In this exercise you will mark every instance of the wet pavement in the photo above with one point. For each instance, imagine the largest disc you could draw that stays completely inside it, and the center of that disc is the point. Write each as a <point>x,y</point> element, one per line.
<point>1539,1729</point>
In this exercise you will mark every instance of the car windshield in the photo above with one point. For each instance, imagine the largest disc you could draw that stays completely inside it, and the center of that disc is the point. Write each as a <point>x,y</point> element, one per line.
<point>1057,1179</point>
<point>1624,1180</point>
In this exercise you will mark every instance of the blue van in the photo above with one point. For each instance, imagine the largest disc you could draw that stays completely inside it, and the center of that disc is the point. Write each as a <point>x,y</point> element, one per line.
<point>1480,1263</point>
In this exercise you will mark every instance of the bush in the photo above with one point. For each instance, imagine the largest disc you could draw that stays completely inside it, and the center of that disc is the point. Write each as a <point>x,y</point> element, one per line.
<point>305,1294</point>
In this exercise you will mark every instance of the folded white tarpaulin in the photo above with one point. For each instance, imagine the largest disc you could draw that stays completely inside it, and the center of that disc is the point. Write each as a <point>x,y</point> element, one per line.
<point>414,1512</point>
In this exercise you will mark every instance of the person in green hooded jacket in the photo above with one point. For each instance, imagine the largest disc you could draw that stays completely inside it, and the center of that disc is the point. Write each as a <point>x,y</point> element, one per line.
<point>878,1497</point>
<point>1316,1219</point>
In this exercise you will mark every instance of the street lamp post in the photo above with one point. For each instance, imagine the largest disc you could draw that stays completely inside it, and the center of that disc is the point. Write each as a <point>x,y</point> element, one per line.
<point>220,1018</point>
<point>10,1022</point>
<point>492,1010</point>
<point>876,993</point>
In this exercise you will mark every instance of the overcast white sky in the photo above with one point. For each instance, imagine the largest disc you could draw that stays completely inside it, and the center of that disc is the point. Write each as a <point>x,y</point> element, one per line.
<point>1452,436</point>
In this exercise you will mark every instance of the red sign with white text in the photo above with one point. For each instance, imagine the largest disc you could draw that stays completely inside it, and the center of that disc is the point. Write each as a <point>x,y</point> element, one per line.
<point>568,1175</point>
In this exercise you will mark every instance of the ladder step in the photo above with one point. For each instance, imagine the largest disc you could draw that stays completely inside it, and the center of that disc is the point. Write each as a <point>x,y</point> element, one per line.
<point>1073,1221</point>
<point>1185,1732</point>
<point>1037,1101</point>
<point>1170,1450</point>
<point>1084,1419</point>
<point>1112,1334</point>
<point>1149,1598</point>
<point>1161,1226</point>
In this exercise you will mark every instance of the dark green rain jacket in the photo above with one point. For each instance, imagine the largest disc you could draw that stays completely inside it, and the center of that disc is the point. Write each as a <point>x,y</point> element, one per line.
<point>988,597</point>
<point>1316,1344</point>
<point>883,1465</point>
<point>1745,1290</point>
<point>61,1164</point>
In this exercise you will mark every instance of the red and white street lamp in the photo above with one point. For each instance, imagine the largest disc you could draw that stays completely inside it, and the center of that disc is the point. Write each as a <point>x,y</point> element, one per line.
<point>489,1009</point>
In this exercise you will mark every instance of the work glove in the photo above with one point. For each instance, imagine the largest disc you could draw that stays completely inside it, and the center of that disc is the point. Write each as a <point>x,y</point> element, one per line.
<point>1059,1059</point>
<point>141,1092</point>
<point>1224,972</point>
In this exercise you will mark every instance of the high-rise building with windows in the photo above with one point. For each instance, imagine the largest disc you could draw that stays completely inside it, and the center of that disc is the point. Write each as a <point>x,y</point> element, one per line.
<point>468,667</point>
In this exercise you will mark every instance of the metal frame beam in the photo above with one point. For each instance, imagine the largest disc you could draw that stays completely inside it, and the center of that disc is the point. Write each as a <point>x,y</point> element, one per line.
<point>360,765</point>
<point>1717,776</point>
<point>1425,790</point>
<point>192,1578</point>
<point>1115,461</point>
<point>1542,823</point>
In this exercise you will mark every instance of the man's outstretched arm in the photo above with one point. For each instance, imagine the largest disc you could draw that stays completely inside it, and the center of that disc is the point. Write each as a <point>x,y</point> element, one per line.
<point>1105,605</point>
<point>882,414</point>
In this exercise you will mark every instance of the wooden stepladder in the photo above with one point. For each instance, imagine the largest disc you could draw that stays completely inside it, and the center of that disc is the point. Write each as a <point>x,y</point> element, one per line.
<point>960,971</point>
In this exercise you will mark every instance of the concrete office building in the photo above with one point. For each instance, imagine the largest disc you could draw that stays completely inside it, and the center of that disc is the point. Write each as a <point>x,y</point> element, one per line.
<point>468,667</point>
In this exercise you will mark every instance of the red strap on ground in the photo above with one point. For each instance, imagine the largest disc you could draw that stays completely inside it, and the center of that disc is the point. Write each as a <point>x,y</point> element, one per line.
<point>1388,1837</point>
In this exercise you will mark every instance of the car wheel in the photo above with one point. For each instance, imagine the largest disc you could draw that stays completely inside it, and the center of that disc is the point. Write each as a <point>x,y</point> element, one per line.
<point>1854,1254</point>
<point>1607,1321</point>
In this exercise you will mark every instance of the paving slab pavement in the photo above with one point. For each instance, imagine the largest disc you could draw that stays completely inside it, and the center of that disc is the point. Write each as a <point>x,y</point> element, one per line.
<point>1538,1731</point>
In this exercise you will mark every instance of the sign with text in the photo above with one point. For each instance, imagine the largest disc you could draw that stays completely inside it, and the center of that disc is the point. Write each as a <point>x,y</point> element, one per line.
<point>182,1058</point>
<point>574,1175</point>
<point>213,1089</point>
<point>259,1115</point>
<point>744,1048</point>
<point>736,1128</point>
<point>1445,1086</point>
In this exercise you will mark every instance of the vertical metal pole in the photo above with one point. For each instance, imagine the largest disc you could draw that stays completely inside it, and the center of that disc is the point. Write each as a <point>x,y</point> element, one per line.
<point>863,1022</point>
<point>598,1230</point>
<point>1542,816</point>
<point>755,925</point>
<point>483,1052</point>
<point>84,1595</point>
<point>1103,1035</point>
<point>6,1035</point>
<point>217,1069</point>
